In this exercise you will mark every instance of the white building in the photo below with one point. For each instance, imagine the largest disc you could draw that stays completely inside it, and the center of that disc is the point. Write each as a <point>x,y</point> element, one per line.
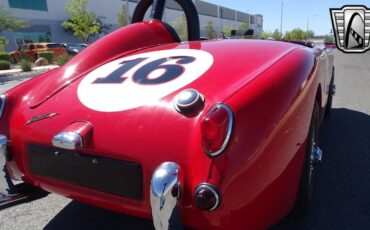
<point>46,16</point>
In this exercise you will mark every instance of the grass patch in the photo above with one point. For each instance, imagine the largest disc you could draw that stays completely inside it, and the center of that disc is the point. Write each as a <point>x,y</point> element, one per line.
<point>26,65</point>
<point>62,59</point>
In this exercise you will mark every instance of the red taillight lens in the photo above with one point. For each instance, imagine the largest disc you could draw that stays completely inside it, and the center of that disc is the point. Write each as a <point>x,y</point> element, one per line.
<point>216,129</point>
<point>206,197</point>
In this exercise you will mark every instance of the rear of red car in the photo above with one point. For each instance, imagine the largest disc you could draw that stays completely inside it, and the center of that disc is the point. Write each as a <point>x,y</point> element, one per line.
<point>212,133</point>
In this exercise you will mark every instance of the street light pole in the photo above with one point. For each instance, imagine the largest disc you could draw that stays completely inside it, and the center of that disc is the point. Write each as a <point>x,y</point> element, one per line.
<point>281,21</point>
<point>308,23</point>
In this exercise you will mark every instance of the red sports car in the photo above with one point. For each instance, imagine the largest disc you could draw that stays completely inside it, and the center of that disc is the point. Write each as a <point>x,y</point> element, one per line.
<point>216,134</point>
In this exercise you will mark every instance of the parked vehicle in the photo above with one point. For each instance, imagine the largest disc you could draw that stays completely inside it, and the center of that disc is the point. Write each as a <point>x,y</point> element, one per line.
<point>31,50</point>
<point>218,134</point>
<point>73,48</point>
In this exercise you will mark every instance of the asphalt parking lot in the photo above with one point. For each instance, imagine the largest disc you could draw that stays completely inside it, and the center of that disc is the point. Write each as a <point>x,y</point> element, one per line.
<point>342,196</point>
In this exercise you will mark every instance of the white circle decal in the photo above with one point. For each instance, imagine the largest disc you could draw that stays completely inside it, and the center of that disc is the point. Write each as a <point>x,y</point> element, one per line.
<point>142,79</point>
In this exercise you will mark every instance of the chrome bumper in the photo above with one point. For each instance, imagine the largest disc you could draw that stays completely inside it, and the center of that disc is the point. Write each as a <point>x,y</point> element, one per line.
<point>165,191</point>
<point>8,191</point>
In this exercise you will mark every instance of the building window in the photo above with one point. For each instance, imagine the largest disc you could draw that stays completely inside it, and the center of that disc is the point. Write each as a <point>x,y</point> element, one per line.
<point>29,4</point>
<point>32,37</point>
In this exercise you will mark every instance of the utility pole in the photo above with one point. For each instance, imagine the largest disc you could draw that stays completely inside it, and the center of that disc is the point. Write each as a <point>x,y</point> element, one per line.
<point>220,16</point>
<point>127,13</point>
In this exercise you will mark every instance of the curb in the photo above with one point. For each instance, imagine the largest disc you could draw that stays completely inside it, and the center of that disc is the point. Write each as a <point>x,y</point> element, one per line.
<point>23,75</point>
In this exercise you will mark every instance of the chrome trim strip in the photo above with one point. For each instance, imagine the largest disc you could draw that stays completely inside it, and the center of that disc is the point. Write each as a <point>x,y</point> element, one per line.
<point>229,129</point>
<point>67,140</point>
<point>213,190</point>
<point>165,190</point>
<point>41,117</point>
<point>3,100</point>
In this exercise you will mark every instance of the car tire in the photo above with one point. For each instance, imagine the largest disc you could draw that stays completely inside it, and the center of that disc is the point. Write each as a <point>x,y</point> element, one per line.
<point>310,167</point>
<point>330,96</point>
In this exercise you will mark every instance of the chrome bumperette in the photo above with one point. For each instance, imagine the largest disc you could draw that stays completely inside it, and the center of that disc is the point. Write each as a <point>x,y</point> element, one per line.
<point>67,140</point>
<point>165,190</point>
<point>8,192</point>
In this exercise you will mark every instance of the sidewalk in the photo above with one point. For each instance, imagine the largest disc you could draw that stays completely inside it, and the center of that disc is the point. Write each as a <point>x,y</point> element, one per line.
<point>18,73</point>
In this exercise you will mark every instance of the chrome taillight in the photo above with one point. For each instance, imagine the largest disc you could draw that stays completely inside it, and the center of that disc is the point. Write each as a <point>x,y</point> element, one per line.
<point>216,129</point>
<point>2,104</point>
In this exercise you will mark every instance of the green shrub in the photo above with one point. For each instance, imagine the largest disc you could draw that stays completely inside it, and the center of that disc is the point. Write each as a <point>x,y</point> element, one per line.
<point>26,65</point>
<point>5,57</point>
<point>49,55</point>
<point>63,59</point>
<point>24,56</point>
<point>4,65</point>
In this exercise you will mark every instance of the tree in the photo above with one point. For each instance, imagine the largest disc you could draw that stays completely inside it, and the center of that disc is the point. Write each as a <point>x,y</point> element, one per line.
<point>181,27</point>
<point>82,23</point>
<point>10,22</point>
<point>122,16</point>
<point>298,34</point>
<point>104,28</point>
<point>295,34</point>
<point>227,31</point>
<point>329,39</point>
<point>211,34</point>
<point>287,35</point>
<point>244,26</point>
<point>3,43</point>
<point>309,34</point>
<point>266,35</point>
<point>276,35</point>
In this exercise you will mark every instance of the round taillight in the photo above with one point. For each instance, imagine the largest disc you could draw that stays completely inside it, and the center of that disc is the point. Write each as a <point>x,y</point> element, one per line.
<point>216,129</point>
<point>206,197</point>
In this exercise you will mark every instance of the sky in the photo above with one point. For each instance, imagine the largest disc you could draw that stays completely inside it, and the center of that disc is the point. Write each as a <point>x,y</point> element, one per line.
<point>296,13</point>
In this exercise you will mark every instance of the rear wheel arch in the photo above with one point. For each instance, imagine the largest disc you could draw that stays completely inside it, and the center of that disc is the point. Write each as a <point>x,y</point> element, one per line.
<point>310,166</point>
